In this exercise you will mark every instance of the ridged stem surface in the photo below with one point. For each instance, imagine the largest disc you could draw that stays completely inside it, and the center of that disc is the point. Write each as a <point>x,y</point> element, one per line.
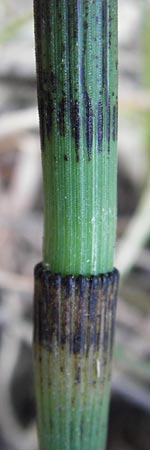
<point>76,53</point>
<point>73,339</point>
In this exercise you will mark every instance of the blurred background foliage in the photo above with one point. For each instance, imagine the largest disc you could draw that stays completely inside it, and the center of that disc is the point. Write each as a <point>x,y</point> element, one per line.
<point>21,228</point>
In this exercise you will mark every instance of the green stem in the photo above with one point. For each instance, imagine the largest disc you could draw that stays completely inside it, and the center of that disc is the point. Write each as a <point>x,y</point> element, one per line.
<point>73,338</point>
<point>76,50</point>
<point>76,53</point>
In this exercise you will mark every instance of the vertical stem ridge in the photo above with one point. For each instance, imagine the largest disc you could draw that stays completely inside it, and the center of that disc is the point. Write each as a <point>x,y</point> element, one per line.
<point>76,53</point>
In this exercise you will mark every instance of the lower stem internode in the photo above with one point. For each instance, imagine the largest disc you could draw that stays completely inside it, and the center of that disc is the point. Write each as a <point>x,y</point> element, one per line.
<point>73,339</point>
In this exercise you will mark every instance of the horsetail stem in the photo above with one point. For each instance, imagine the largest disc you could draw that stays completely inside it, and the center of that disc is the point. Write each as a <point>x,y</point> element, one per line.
<point>76,49</point>
<point>75,296</point>
<point>73,341</point>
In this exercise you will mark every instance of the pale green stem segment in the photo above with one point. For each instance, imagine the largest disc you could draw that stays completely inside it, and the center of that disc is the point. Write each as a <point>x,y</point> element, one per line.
<point>76,52</point>
<point>74,321</point>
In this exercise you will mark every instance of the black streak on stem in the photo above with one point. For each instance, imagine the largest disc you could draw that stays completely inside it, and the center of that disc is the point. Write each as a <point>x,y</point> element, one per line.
<point>100,125</point>
<point>46,82</point>
<point>74,104</point>
<point>87,99</point>
<point>106,45</point>
<point>115,122</point>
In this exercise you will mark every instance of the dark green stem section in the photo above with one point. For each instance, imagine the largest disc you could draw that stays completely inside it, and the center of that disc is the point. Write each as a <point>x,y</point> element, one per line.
<point>73,338</point>
<point>76,53</point>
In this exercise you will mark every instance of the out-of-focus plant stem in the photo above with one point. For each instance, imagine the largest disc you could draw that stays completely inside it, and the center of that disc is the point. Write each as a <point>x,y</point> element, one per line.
<point>146,70</point>
<point>138,230</point>
<point>13,27</point>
